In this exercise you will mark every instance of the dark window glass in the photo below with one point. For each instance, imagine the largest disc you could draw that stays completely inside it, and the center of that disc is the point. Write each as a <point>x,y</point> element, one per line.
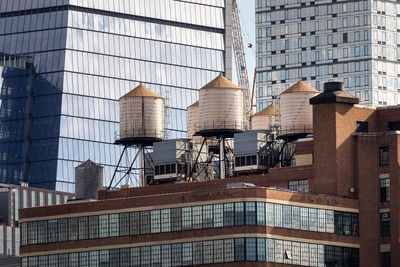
<point>394,126</point>
<point>144,222</point>
<point>93,226</point>
<point>173,168</point>
<point>83,228</point>
<point>250,208</point>
<point>239,213</point>
<point>198,253</point>
<point>242,161</point>
<point>384,156</point>
<point>385,190</point>
<point>362,126</point>
<point>162,169</point>
<point>176,219</point>
<point>42,232</point>
<point>345,37</point>
<point>114,257</point>
<point>208,216</point>
<point>239,249</point>
<point>134,223</point>
<point>254,160</point>
<point>124,224</point>
<point>176,254</point>
<point>52,227</point>
<point>228,214</point>
<point>385,259</point>
<point>237,161</point>
<point>251,249</point>
<point>73,228</point>
<point>338,222</point>
<point>385,224</point>
<point>248,160</point>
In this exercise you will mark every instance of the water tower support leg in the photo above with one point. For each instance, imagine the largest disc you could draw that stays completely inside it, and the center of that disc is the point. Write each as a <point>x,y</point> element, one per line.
<point>222,157</point>
<point>116,168</point>
<point>141,166</point>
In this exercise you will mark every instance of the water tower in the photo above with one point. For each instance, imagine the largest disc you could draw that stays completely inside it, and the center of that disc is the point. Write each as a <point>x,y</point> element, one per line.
<point>296,112</point>
<point>141,124</point>
<point>266,119</point>
<point>221,114</point>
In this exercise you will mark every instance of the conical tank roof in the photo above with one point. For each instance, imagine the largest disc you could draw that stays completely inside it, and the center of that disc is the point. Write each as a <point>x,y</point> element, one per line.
<point>88,163</point>
<point>220,82</point>
<point>195,104</point>
<point>141,91</point>
<point>300,86</point>
<point>271,110</point>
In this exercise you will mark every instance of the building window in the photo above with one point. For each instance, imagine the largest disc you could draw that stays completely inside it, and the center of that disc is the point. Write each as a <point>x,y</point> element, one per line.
<point>124,224</point>
<point>218,251</point>
<point>239,249</point>
<point>166,255</point>
<point>251,249</point>
<point>228,214</point>
<point>186,218</point>
<point>52,231</point>
<point>239,212</point>
<point>385,259</point>
<point>145,222</point>
<point>103,226</point>
<point>114,224</point>
<point>385,190</point>
<point>299,186</point>
<point>394,126</point>
<point>385,224</point>
<point>42,232</point>
<point>250,208</point>
<point>197,213</point>
<point>208,216</point>
<point>134,223</point>
<point>73,228</point>
<point>176,219</point>
<point>155,221</point>
<point>93,227</point>
<point>83,228</point>
<point>260,213</point>
<point>165,220</point>
<point>362,126</point>
<point>383,156</point>
<point>218,215</point>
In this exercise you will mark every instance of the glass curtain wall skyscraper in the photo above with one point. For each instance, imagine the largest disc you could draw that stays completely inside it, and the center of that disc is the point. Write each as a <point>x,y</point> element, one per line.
<point>356,42</point>
<point>88,53</point>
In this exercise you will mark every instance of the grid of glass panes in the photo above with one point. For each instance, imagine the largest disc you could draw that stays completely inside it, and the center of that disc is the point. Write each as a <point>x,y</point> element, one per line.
<point>209,252</point>
<point>384,186</point>
<point>325,41</point>
<point>87,56</point>
<point>385,223</point>
<point>190,218</point>
<point>298,185</point>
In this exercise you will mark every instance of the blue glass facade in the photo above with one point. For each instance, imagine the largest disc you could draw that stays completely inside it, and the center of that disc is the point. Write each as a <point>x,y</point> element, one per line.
<point>89,53</point>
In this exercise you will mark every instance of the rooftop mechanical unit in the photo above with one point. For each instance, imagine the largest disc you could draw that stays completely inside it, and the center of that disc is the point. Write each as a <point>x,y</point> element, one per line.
<point>180,159</point>
<point>257,151</point>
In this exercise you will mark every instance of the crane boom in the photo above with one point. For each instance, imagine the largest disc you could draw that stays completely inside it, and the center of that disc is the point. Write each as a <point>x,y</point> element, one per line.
<point>240,61</point>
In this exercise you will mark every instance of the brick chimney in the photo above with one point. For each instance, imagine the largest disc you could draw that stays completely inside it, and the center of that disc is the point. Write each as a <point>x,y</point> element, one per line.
<point>334,125</point>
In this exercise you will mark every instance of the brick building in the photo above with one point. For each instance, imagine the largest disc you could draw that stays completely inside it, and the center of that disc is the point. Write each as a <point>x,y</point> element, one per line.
<point>336,207</point>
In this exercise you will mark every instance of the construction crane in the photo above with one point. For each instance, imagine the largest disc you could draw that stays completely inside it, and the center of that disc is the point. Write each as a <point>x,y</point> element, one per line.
<point>240,61</point>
